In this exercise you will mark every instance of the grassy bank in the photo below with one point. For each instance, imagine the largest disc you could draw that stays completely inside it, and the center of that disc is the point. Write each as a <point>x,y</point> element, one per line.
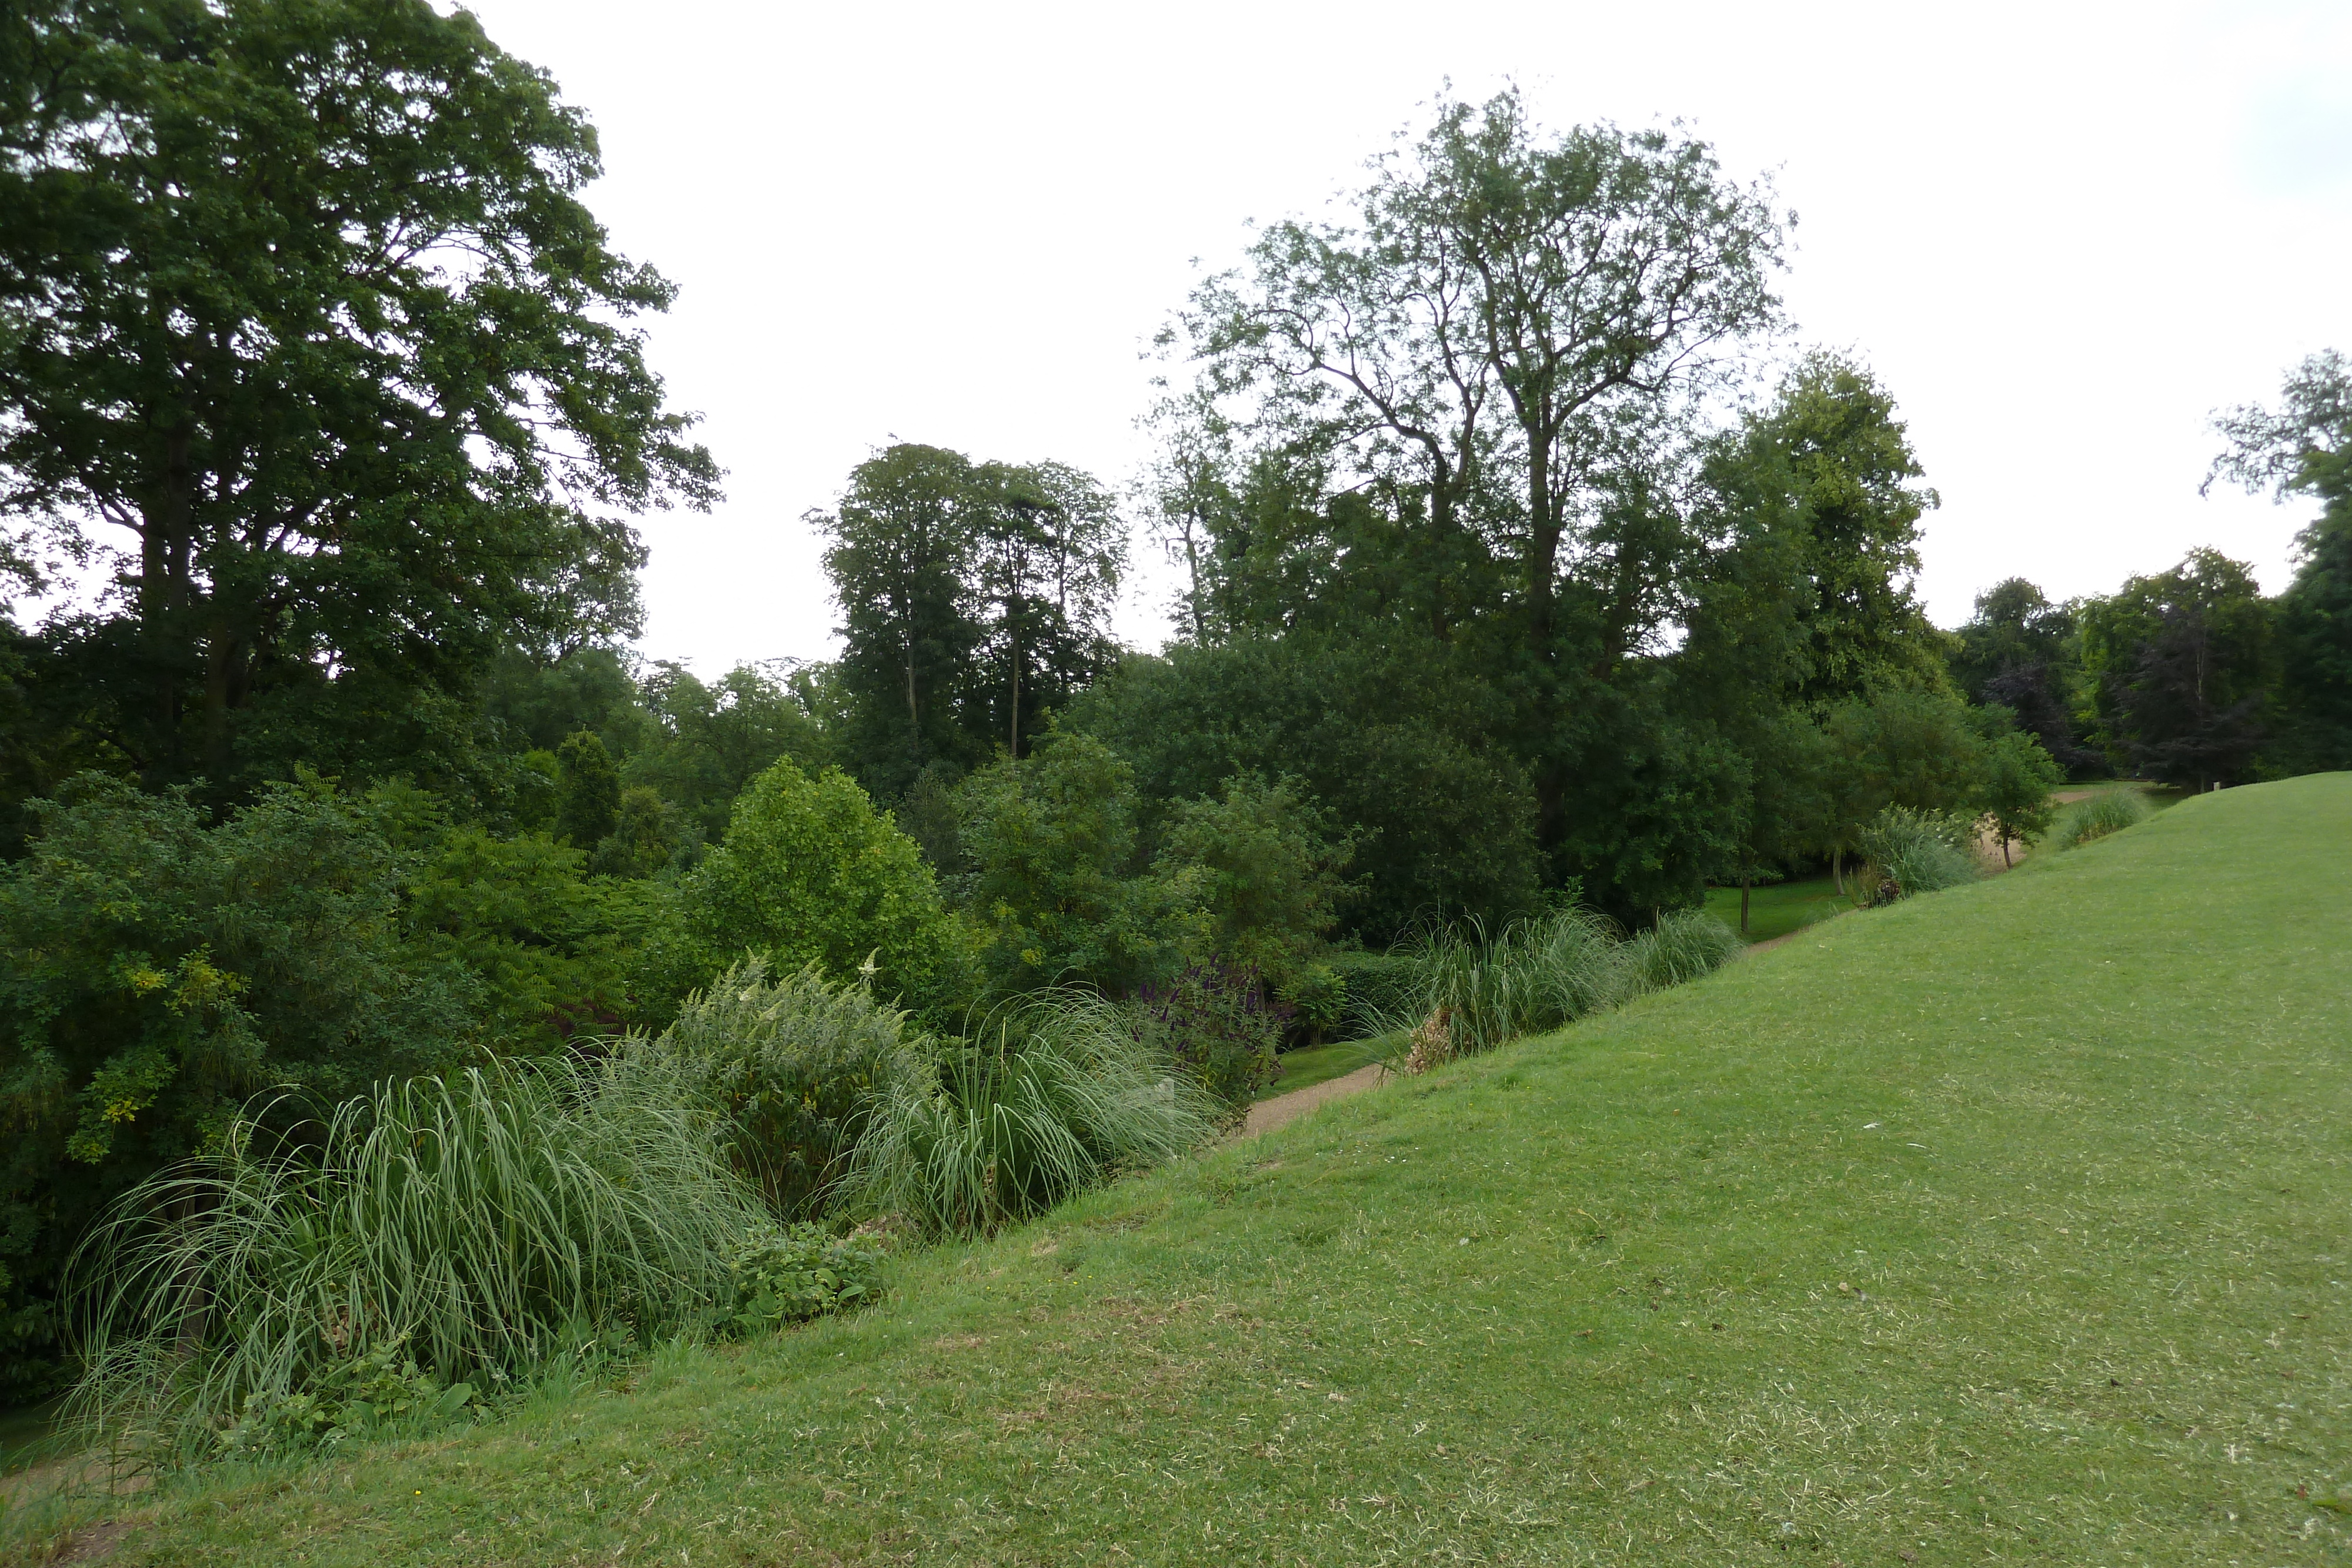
<point>2006,1224</point>
<point>1777,910</point>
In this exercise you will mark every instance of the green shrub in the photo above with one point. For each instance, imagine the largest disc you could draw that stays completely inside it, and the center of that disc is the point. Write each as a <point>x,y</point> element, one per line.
<point>1262,864</point>
<point>490,1220</point>
<point>2095,817</point>
<point>793,1063</point>
<point>1056,874</point>
<point>1215,1024</point>
<point>1378,988</point>
<point>812,874</point>
<point>156,970</point>
<point>1056,1094</point>
<point>790,1275</point>
<point>1916,851</point>
<point>1320,1005</point>
<point>380,1387</point>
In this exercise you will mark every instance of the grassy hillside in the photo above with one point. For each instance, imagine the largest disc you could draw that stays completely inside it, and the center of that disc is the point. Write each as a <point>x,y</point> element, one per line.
<point>2013,1223</point>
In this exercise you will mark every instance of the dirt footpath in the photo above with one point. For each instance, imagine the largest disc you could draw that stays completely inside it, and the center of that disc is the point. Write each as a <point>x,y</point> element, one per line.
<point>1284,1109</point>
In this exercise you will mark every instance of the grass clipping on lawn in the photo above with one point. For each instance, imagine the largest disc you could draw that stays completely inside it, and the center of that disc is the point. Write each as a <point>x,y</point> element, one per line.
<point>2006,1224</point>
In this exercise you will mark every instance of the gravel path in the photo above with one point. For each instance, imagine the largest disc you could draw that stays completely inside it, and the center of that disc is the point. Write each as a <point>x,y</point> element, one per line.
<point>1284,1109</point>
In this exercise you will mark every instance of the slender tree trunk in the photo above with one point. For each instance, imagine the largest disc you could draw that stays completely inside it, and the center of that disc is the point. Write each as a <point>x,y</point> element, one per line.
<point>1745,876</point>
<point>1837,868</point>
<point>222,652</point>
<point>1013,645</point>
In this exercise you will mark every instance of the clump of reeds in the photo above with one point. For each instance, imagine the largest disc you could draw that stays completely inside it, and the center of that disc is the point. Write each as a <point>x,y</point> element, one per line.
<point>1917,852</point>
<point>2096,816</point>
<point>1053,1094</point>
<point>1473,992</point>
<point>488,1221</point>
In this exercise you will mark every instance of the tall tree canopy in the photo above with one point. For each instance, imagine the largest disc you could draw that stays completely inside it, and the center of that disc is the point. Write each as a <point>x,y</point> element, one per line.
<point>975,596</point>
<point>2180,668</point>
<point>1461,400</point>
<point>2304,448</point>
<point>298,298</point>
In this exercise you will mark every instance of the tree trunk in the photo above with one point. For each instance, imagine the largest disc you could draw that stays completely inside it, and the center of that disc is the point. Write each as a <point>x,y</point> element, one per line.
<point>1013,645</point>
<point>1744,878</point>
<point>1837,868</point>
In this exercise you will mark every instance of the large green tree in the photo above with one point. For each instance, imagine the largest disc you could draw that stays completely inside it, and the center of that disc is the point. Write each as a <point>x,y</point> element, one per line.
<point>2303,449</point>
<point>2018,650</point>
<point>1493,355</point>
<point>976,598</point>
<point>298,300</point>
<point>2182,669</point>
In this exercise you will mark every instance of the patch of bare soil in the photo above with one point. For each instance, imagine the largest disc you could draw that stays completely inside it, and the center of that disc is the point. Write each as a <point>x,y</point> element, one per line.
<point>1284,1109</point>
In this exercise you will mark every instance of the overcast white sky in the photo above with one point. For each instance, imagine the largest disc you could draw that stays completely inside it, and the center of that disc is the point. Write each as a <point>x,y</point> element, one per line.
<point>2061,234</point>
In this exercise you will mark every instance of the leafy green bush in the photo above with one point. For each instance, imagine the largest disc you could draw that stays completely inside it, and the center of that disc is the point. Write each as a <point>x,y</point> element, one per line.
<point>1215,1024</point>
<point>1056,1095</point>
<point>487,1220</point>
<point>1376,988</point>
<point>2095,817</point>
<point>1320,1005</point>
<point>1260,861</point>
<point>380,1387</point>
<point>156,969</point>
<point>1053,847</point>
<point>1917,852</point>
<point>790,1275</point>
<point>793,1063</point>
<point>812,874</point>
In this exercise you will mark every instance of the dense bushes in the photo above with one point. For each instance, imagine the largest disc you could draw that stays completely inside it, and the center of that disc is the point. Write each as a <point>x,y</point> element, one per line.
<point>1214,1025</point>
<point>2109,812</point>
<point>156,970</point>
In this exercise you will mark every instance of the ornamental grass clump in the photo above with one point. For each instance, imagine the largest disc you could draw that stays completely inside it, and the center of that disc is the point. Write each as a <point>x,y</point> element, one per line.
<point>1053,1094</point>
<point>792,1062</point>
<point>2097,816</point>
<point>1912,853</point>
<point>1684,945</point>
<point>487,1222</point>
<point>1474,992</point>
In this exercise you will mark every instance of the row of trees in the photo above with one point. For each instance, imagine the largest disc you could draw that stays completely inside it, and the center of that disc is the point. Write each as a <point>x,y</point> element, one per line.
<point>2191,675</point>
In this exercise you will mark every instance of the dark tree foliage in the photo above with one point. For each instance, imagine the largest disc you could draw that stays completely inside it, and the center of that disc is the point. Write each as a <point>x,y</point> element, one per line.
<point>2183,667</point>
<point>2304,449</point>
<point>298,298</point>
<point>587,791</point>
<point>1394,745</point>
<point>2019,651</point>
<point>975,600</point>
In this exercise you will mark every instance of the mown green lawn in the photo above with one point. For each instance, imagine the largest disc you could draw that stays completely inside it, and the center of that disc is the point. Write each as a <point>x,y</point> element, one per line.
<point>2012,1224</point>
<point>1305,1068</point>
<point>1777,910</point>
